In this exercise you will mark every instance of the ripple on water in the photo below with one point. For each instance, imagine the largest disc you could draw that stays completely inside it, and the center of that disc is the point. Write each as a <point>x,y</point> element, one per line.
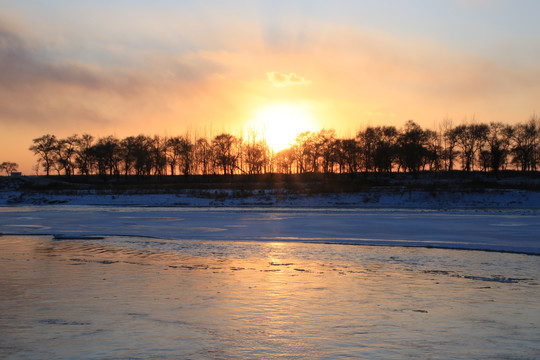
<point>149,298</point>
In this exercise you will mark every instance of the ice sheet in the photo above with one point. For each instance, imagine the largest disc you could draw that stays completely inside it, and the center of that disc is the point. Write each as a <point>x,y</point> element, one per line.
<point>514,231</point>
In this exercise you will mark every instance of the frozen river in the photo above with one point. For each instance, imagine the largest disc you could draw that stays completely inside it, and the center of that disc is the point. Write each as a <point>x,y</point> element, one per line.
<point>237,284</point>
<point>517,231</point>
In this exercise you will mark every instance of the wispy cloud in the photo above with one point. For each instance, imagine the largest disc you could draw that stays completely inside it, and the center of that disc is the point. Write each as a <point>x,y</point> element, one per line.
<point>280,79</point>
<point>38,87</point>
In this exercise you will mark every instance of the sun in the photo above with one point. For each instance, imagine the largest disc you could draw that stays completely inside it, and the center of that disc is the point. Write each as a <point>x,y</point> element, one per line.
<point>279,124</point>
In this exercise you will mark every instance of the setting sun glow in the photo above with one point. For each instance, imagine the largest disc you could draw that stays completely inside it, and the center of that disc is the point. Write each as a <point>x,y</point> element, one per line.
<point>264,70</point>
<point>279,124</point>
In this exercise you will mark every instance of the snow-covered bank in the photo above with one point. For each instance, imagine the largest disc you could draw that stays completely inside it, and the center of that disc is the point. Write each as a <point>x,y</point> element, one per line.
<point>485,219</point>
<point>407,191</point>
<point>414,199</point>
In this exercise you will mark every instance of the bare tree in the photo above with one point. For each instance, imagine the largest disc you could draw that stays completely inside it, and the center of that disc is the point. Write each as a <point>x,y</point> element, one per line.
<point>65,153</point>
<point>498,143</point>
<point>158,149</point>
<point>366,148</point>
<point>348,155</point>
<point>8,167</point>
<point>83,158</point>
<point>471,139</point>
<point>256,155</point>
<point>448,143</point>
<point>304,154</point>
<point>142,155</point>
<point>411,147</point>
<point>107,155</point>
<point>434,150</point>
<point>203,156</point>
<point>44,147</point>
<point>225,154</point>
<point>284,161</point>
<point>173,152</point>
<point>525,141</point>
<point>378,147</point>
<point>326,142</point>
<point>185,151</point>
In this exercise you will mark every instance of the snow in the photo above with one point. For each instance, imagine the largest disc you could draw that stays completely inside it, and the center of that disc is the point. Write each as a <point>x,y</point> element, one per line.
<point>490,219</point>
<point>377,198</point>
<point>102,266</point>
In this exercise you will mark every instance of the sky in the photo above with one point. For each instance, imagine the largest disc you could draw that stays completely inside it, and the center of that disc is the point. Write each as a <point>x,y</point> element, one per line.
<point>204,67</point>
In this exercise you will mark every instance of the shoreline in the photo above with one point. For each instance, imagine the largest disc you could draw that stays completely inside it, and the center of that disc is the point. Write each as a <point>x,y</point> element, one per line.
<point>59,238</point>
<point>488,200</point>
<point>369,191</point>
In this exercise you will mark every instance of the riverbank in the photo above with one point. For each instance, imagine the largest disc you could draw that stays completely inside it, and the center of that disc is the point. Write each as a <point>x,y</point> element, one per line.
<point>425,191</point>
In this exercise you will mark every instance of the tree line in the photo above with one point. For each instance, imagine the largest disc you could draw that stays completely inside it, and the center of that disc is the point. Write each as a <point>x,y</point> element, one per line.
<point>467,147</point>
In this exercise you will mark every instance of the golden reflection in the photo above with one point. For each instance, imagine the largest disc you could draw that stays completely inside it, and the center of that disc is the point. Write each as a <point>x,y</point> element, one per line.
<point>274,300</point>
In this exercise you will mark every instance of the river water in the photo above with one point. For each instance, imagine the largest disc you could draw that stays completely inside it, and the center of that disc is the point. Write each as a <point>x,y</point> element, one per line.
<point>139,283</point>
<point>124,297</point>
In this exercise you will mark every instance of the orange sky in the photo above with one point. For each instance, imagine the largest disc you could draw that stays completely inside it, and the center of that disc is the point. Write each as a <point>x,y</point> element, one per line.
<point>128,68</point>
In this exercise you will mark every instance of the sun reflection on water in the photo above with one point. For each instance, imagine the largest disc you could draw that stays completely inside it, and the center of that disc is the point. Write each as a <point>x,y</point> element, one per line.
<point>264,300</point>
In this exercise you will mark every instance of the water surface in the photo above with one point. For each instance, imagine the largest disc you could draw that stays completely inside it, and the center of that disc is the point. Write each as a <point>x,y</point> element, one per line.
<point>135,297</point>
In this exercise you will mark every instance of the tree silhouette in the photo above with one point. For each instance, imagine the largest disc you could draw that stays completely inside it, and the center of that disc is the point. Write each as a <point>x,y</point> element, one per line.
<point>83,158</point>
<point>44,147</point>
<point>433,151</point>
<point>256,156</point>
<point>450,137</point>
<point>173,152</point>
<point>158,155</point>
<point>107,156</point>
<point>129,148</point>
<point>348,151</point>
<point>185,148</point>
<point>378,147</point>
<point>471,138</point>
<point>8,167</point>
<point>366,148</point>
<point>374,149</point>
<point>498,142</point>
<point>526,140</point>
<point>65,154</point>
<point>284,161</point>
<point>304,152</point>
<point>203,156</point>
<point>142,154</point>
<point>326,144</point>
<point>411,148</point>
<point>225,155</point>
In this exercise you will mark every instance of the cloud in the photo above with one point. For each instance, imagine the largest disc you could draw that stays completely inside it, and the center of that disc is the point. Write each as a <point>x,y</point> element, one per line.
<point>24,65</point>
<point>43,90</point>
<point>125,84</point>
<point>38,87</point>
<point>280,79</point>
